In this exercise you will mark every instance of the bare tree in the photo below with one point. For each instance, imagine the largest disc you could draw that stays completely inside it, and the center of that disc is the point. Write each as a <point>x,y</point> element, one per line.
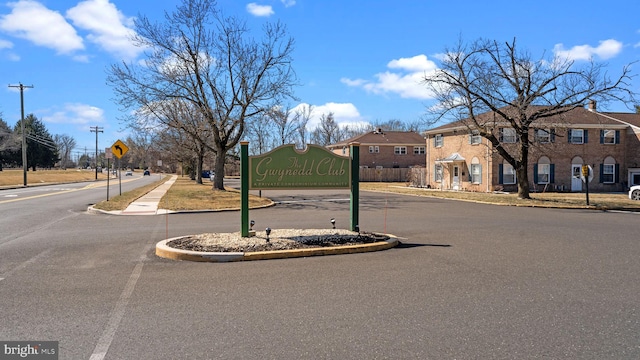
<point>284,122</point>
<point>211,61</point>
<point>259,133</point>
<point>65,144</point>
<point>327,132</point>
<point>301,118</point>
<point>488,85</point>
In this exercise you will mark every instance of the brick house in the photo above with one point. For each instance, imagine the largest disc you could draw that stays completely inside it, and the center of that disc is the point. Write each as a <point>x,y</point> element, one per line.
<point>386,149</point>
<point>460,159</point>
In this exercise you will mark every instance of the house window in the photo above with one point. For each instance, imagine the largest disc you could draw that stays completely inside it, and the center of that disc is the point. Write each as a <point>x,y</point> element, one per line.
<point>438,141</point>
<point>400,150</point>
<point>577,136</point>
<point>609,137</point>
<point>437,173</point>
<point>476,173</point>
<point>475,138</point>
<point>419,150</point>
<point>544,136</point>
<point>508,135</point>
<point>508,174</point>
<point>544,171</point>
<point>374,149</point>
<point>609,171</point>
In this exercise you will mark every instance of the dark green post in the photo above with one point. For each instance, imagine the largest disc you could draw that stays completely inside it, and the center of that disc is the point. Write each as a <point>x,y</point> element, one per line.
<point>244,188</point>
<point>355,185</point>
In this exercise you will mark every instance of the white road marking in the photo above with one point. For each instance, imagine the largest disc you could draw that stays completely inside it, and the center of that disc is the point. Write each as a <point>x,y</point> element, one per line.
<point>118,312</point>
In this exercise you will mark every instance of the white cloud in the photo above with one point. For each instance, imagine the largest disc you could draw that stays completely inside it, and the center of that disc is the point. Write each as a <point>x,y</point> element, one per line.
<point>32,21</point>
<point>79,114</point>
<point>405,80</point>
<point>605,50</point>
<point>260,10</point>
<point>108,27</point>
<point>288,3</point>
<point>343,113</point>
<point>4,44</point>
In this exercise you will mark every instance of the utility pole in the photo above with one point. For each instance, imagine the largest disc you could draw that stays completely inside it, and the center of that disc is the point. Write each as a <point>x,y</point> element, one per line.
<point>24,138</point>
<point>96,129</point>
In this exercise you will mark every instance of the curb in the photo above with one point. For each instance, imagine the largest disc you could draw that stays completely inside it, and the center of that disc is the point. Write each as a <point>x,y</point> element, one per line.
<point>164,251</point>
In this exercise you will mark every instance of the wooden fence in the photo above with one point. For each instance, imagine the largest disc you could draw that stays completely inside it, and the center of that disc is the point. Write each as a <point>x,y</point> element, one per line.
<point>385,175</point>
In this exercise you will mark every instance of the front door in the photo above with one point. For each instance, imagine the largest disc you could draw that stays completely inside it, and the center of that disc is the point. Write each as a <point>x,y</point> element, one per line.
<point>576,182</point>
<point>456,178</point>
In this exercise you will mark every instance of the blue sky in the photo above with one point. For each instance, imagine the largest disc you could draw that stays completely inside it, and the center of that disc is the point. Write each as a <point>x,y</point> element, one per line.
<point>360,59</point>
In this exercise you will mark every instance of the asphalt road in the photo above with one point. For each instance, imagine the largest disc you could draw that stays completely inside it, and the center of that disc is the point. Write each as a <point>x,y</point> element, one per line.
<point>470,281</point>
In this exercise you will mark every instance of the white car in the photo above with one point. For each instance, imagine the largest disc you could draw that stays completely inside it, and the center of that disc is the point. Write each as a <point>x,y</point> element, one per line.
<point>634,192</point>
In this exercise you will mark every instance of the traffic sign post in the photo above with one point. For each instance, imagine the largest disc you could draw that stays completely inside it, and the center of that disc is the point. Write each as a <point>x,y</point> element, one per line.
<point>119,149</point>
<point>587,176</point>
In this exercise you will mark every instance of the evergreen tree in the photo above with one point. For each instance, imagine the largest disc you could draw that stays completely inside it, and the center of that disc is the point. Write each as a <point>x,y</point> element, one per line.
<point>41,149</point>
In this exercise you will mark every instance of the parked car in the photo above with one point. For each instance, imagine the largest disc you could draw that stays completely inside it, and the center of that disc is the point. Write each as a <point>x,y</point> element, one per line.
<point>634,192</point>
<point>128,173</point>
<point>146,172</point>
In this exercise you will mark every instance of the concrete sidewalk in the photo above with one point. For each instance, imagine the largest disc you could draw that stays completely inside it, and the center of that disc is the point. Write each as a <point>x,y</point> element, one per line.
<point>148,203</point>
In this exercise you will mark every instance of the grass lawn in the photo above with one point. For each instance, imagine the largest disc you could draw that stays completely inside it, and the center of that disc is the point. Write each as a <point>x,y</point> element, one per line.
<point>15,177</point>
<point>603,201</point>
<point>185,194</point>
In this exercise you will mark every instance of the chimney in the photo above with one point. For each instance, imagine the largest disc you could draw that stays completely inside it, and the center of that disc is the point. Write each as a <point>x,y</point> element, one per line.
<point>592,105</point>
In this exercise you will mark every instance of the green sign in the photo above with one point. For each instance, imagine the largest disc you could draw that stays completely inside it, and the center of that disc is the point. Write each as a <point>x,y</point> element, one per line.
<point>288,168</point>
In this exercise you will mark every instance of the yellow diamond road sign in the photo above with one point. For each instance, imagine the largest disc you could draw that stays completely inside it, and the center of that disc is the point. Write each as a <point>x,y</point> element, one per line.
<point>119,149</point>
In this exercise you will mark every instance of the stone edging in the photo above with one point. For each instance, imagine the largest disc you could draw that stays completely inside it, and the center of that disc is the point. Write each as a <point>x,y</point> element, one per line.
<point>164,251</point>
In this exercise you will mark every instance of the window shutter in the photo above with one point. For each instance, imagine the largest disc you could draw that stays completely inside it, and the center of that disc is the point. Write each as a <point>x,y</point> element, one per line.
<point>601,137</point>
<point>469,139</point>
<point>480,174</point>
<point>617,175</point>
<point>552,137</point>
<point>552,171</point>
<point>535,173</point>
<point>617,137</point>
<point>601,173</point>
<point>500,173</point>
<point>569,134</point>
<point>586,135</point>
<point>500,137</point>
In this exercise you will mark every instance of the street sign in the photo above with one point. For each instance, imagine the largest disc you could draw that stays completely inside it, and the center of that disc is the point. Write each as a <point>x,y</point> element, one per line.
<point>119,149</point>
<point>587,173</point>
<point>108,154</point>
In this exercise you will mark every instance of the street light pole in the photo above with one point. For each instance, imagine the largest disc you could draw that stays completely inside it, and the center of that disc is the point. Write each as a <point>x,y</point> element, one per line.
<point>97,129</point>
<point>24,138</point>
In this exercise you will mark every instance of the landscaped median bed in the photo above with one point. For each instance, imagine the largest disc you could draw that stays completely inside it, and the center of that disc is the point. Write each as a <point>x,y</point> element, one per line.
<point>282,243</point>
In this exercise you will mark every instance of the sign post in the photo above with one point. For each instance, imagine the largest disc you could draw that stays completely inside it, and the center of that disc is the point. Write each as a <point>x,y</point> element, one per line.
<point>119,149</point>
<point>586,177</point>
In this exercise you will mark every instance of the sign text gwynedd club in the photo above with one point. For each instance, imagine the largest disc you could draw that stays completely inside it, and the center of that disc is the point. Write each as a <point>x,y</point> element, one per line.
<point>287,168</point>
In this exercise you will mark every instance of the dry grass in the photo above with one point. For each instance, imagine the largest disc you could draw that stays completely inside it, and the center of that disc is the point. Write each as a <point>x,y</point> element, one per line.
<point>619,201</point>
<point>185,194</point>
<point>15,177</point>
<point>120,202</point>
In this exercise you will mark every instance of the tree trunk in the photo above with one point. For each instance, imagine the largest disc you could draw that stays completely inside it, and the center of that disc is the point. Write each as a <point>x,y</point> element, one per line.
<point>523,182</point>
<point>199,162</point>
<point>218,180</point>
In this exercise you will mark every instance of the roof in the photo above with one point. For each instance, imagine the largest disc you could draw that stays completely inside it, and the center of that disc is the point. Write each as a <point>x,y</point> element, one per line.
<point>379,137</point>
<point>455,157</point>
<point>578,116</point>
